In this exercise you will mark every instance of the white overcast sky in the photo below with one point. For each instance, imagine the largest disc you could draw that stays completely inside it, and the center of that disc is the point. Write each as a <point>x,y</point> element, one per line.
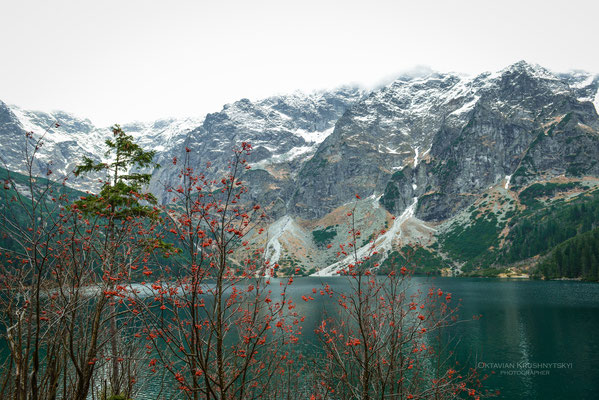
<point>118,61</point>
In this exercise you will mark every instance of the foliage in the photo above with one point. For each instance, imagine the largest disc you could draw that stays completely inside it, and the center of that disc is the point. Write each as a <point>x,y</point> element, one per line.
<point>534,231</point>
<point>17,189</point>
<point>121,195</point>
<point>390,195</point>
<point>419,259</point>
<point>577,257</point>
<point>469,242</point>
<point>539,231</point>
<point>530,195</point>
<point>323,236</point>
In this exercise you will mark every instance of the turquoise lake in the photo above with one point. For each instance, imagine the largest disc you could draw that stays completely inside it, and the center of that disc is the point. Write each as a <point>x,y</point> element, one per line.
<point>541,338</point>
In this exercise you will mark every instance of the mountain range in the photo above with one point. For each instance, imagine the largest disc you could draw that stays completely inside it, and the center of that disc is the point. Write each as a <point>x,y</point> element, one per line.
<point>440,170</point>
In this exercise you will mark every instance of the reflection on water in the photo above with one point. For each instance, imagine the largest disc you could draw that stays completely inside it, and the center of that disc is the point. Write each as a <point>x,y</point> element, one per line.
<point>527,323</point>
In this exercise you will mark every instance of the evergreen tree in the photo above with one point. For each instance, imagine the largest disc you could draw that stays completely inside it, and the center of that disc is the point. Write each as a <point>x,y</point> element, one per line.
<point>121,199</point>
<point>121,195</point>
<point>575,258</point>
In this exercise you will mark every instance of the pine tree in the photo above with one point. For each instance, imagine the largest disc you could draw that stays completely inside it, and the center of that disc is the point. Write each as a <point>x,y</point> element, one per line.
<point>121,195</point>
<point>120,199</point>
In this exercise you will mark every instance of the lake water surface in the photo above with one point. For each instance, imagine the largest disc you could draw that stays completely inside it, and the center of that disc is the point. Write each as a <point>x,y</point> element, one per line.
<point>540,338</point>
<point>524,322</point>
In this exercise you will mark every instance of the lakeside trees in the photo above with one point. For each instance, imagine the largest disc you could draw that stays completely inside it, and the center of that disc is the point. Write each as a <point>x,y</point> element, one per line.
<point>65,271</point>
<point>577,257</point>
<point>103,293</point>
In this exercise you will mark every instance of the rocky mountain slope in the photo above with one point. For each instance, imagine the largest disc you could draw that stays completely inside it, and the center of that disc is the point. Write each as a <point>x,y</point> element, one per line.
<point>285,131</point>
<point>429,156</point>
<point>64,140</point>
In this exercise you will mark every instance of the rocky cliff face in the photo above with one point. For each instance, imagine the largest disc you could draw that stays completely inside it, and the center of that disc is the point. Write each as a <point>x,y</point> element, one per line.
<point>521,125</point>
<point>62,141</point>
<point>423,147</point>
<point>393,128</point>
<point>285,131</point>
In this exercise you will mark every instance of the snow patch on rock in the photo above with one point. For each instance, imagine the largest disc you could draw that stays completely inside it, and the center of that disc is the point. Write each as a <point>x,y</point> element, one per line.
<point>508,178</point>
<point>275,231</point>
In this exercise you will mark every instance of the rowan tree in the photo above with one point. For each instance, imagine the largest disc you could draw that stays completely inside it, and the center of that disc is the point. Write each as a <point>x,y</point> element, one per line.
<point>29,225</point>
<point>216,323</point>
<point>67,263</point>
